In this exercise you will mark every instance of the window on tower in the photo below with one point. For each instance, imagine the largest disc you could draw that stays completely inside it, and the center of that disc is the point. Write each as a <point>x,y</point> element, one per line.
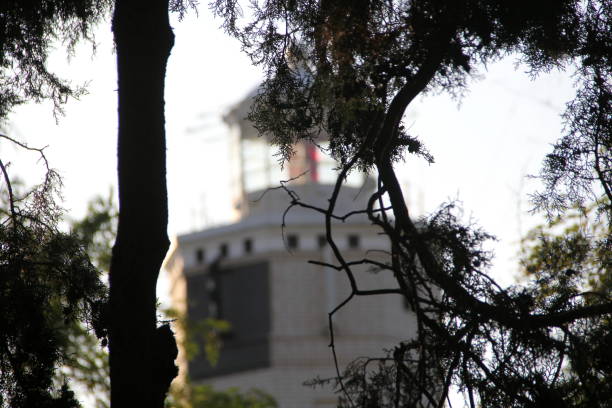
<point>240,296</point>
<point>199,255</point>
<point>353,241</point>
<point>248,246</point>
<point>292,241</point>
<point>223,250</point>
<point>321,241</point>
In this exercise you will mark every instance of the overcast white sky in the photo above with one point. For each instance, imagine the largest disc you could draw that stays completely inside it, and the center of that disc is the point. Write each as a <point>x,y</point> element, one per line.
<point>483,148</point>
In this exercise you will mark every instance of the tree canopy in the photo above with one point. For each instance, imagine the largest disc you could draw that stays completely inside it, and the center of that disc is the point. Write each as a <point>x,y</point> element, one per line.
<point>348,70</point>
<point>48,286</point>
<point>28,31</point>
<point>577,248</point>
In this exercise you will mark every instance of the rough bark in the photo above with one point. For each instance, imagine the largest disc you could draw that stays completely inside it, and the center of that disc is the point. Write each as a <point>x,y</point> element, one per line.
<point>143,39</point>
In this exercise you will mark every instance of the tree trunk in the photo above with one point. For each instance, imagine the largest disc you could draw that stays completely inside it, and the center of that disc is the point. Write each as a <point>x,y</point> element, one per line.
<point>143,39</point>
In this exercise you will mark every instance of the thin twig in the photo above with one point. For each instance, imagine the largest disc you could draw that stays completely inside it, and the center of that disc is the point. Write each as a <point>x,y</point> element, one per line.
<point>9,188</point>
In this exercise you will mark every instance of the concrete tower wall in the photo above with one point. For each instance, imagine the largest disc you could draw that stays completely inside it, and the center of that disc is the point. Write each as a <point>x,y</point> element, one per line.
<point>281,336</point>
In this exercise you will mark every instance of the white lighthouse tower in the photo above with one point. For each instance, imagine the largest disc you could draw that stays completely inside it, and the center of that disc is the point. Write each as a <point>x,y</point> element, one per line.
<point>256,275</point>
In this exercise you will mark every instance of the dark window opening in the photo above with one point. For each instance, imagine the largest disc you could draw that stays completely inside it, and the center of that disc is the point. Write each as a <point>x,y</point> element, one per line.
<point>224,250</point>
<point>353,241</point>
<point>248,246</point>
<point>200,255</point>
<point>239,295</point>
<point>292,241</point>
<point>321,241</point>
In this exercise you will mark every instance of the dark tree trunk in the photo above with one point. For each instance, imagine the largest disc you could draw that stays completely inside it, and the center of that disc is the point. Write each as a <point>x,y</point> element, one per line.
<point>143,39</point>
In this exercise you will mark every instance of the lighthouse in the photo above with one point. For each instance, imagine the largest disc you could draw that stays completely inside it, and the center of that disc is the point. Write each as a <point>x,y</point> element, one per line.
<point>264,274</point>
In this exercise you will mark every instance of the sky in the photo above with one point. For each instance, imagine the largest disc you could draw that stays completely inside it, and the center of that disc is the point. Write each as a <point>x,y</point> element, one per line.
<point>484,144</point>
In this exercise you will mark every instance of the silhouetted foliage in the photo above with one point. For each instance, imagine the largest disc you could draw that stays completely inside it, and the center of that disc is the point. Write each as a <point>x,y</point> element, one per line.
<point>47,286</point>
<point>29,29</point>
<point>577,250</point>
<point>348,70</point>
<point>87,358</point>
<point>189,395</point>
<point>204,396</point>
<point>97,229</point>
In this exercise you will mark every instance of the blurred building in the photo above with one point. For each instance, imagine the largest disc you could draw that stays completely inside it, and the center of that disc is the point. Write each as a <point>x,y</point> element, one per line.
<point>255,274</point>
